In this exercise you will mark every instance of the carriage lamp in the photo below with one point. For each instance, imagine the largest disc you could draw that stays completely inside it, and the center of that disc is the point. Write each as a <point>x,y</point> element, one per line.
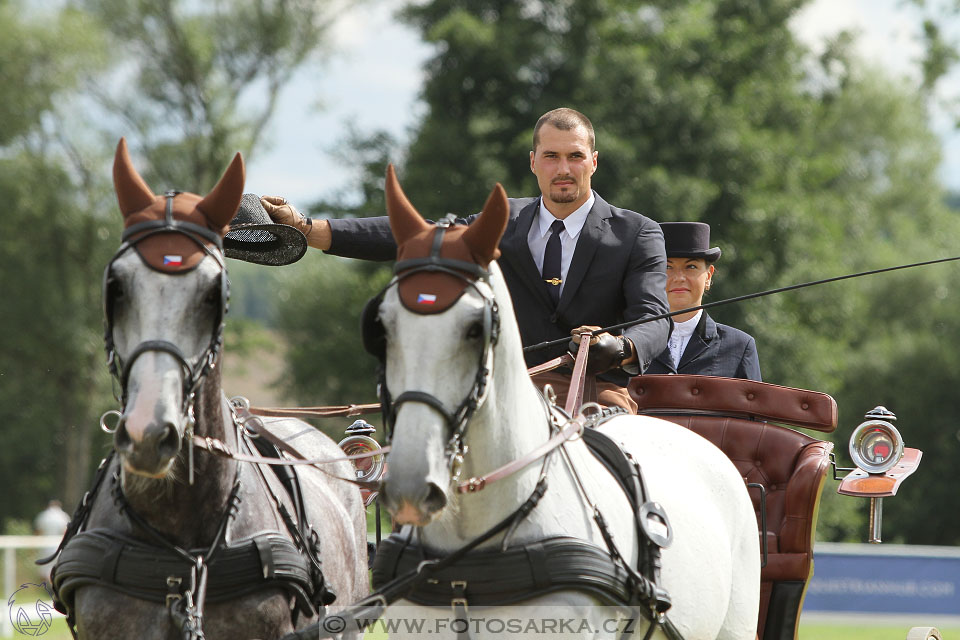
<point>876,445</point>
<point>370,469</point>
<point>882,461</point>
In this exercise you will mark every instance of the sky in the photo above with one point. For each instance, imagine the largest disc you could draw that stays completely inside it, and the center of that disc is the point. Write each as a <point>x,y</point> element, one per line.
<point>374,73</point>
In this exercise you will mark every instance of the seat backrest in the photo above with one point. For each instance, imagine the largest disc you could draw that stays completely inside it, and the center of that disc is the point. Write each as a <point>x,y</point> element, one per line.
<point>737,416</point>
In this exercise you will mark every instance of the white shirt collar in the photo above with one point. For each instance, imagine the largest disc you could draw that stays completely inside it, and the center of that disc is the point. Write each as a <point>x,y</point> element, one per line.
<point>686,328</point>
<point>573,223</point>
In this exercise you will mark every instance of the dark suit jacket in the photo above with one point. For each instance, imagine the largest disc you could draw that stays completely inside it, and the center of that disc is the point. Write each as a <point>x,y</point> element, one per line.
<point>617,274</point>
<point>714,350</point>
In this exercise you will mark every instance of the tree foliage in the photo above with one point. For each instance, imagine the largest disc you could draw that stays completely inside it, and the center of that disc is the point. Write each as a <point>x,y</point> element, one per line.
<point>319,317</point>
<point>201,79</point>
<point>188,84</point>
<point>711,110</point>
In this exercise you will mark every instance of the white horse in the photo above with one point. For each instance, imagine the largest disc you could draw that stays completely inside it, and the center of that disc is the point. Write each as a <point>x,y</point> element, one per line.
<point>712,569</point>
<point>159,499</point>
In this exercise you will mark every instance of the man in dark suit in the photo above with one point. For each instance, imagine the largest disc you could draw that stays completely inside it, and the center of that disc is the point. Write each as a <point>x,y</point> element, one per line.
<point>698,345</point>
<point>571,260</point>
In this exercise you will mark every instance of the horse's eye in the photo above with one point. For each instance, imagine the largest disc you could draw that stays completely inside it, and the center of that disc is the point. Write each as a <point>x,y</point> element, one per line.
<point>115,290</point>
<point>212,298</point>
<point>475,330</point>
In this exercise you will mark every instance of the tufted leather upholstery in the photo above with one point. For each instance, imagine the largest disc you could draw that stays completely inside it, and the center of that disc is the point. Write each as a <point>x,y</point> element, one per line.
<point>736,415</point>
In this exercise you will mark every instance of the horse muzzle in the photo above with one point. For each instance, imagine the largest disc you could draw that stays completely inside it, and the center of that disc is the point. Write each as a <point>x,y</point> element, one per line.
<point>147,449</point>
<point>417,506</point>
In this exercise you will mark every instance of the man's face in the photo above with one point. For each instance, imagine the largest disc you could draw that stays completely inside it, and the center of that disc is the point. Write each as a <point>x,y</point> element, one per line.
<point>564,165</point>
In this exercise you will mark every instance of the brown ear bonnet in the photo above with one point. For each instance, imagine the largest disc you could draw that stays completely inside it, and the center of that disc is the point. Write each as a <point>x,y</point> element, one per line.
<point>173,252</point>
<point>465,251</point>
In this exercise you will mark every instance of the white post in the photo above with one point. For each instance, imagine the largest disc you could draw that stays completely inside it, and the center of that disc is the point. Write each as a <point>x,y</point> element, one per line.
<point>9,578</point>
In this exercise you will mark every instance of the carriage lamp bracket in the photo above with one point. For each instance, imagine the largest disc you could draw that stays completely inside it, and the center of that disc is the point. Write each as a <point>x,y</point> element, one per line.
<point>833,465</point>
<point>763,519</point>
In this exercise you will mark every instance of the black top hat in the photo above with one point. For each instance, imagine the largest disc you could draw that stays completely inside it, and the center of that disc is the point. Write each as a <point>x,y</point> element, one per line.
<point>688,240</point>
<point>254,237</point>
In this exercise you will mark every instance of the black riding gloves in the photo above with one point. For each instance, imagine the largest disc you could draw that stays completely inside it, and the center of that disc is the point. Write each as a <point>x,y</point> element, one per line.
<point>608,353</point>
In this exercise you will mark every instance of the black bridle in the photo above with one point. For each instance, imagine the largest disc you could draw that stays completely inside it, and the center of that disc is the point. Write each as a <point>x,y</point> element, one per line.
<point>457,419</point>
<point>193,375</point>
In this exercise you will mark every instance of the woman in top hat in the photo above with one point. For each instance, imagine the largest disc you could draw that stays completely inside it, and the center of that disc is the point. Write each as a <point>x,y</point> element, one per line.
<point>697,344</point>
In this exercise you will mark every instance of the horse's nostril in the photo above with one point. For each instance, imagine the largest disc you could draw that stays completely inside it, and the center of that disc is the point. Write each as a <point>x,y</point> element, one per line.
<point>169,442</point>
<point>436,498</point>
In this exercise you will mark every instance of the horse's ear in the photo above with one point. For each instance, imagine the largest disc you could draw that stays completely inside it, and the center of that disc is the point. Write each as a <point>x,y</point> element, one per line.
<point>133,194</point>
<point>405,221</point>
<point>483,235</point>
<point>222,202</point>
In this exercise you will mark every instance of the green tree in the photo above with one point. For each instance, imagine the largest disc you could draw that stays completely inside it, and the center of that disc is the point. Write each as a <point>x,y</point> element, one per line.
<point>711,110</point>
<point>319,317</point>
<point>52,384</point>
<point>201,79</point>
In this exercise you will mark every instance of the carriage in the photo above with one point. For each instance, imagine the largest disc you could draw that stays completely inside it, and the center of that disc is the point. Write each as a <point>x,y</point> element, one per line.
<point>572,542</point>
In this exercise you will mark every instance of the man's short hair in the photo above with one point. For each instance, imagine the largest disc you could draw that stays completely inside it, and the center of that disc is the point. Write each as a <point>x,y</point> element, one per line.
<point>564,119</point>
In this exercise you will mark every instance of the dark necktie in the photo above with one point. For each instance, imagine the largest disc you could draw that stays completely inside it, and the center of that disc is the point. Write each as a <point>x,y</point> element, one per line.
<point>551,261</point>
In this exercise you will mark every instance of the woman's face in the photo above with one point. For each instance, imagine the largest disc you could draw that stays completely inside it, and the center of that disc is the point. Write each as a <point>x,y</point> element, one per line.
<point>687,279</point>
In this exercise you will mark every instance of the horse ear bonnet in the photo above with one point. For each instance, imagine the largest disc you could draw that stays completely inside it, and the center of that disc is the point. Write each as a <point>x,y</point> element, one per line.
<point>173,252</point>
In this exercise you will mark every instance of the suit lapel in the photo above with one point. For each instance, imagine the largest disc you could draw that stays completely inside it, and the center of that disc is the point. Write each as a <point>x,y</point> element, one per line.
<point>706,331</point>
<point>593,230</point>
<point>666,360</point>
<point>517,251</point>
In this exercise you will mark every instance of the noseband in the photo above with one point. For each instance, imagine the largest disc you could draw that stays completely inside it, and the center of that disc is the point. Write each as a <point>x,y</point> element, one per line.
<point>457,419</point>
<point>192,375</point>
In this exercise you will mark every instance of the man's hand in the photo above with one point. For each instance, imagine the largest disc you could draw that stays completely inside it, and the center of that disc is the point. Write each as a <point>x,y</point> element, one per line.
<point>606,351</point>
<point>280,211</point>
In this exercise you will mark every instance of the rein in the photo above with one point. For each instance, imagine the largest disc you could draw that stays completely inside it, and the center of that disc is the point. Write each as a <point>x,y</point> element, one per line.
<point>575,426</point>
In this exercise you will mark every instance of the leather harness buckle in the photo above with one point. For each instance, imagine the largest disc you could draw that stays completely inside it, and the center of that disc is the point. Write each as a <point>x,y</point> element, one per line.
<point>461,587</point>
<point>173,583</point>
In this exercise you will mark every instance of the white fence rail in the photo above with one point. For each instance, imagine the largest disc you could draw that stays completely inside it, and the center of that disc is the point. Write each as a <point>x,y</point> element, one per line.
<point>10,545</point>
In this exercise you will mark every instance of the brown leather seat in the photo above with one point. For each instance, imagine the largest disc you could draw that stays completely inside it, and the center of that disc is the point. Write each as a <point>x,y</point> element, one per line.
<point>736,415</point>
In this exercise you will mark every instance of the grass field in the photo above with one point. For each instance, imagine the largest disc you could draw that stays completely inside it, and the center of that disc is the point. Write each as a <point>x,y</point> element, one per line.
<point>861,632</point>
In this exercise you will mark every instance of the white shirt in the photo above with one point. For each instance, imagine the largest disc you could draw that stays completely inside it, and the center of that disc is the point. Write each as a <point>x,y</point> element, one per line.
<point>572,226</point>
<point>680,336</point>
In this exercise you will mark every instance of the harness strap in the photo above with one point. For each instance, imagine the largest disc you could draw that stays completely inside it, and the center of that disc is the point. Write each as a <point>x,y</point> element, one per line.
<point>158,345</point>
<point>436,263</point>
<point>82,512</point>
<point>578,378</point>
<point>267,560</point>
<point>373,606</point>
<point>475,483</point>
<point>218,448</point>
<point>187,228</point>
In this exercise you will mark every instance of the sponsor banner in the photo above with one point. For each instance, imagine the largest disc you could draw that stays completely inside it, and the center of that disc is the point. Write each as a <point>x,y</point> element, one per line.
<point>891,579</point>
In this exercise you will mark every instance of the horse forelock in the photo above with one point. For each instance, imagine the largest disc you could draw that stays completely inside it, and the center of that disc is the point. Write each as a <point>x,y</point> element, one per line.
<point>428,292</point>
<point>173,252</point>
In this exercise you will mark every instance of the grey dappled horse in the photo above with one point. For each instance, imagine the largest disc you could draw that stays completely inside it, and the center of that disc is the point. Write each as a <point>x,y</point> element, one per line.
<point>165,296</point>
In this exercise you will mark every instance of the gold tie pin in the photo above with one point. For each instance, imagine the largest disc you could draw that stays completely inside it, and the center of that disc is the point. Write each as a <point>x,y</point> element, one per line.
<point>554,281</point>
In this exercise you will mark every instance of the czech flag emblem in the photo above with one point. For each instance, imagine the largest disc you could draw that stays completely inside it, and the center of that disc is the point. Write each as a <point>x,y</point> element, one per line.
<point>426,298</point>
<point>172,261</point>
